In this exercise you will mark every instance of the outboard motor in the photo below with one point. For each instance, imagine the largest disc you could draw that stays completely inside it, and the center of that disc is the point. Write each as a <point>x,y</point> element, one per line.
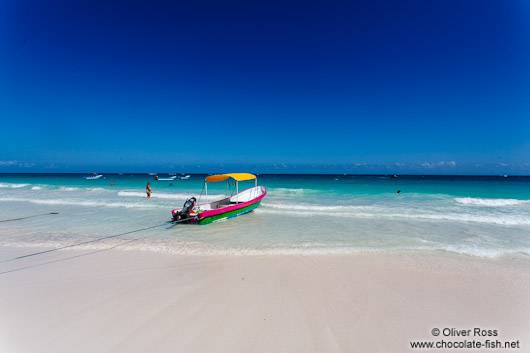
<point>183,215</point>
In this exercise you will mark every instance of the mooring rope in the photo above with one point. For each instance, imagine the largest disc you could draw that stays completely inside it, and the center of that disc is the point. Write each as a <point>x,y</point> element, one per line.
<point>67,258</point>
<point>82,243</point>
<point>93,240</point>
<point>21,218</point>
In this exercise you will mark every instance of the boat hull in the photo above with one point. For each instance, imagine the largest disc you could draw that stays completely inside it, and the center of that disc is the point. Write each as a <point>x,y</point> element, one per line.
<point>232,211</point>
<point>226,215</point>
<point>198,216</point>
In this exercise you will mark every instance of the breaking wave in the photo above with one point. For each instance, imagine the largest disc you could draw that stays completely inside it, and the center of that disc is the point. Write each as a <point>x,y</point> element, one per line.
<point>46,187</point>
<point>303,207</point>
<point>67,202</point>
<point>386,213</point>
<point>176,196</point>
<point>490,202</point>
<point>65,188</point>
<point>291,191</point>
<point>12,185</point>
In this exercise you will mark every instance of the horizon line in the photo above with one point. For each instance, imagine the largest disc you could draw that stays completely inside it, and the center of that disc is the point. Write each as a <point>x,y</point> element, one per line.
<point>311,174</point>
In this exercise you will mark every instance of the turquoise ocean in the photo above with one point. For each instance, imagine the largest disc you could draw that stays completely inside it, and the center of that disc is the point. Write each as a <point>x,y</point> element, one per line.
<point>487,216</point>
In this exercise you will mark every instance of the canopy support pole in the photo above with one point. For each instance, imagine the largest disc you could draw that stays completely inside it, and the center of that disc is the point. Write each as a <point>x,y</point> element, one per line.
<point>206,189</point>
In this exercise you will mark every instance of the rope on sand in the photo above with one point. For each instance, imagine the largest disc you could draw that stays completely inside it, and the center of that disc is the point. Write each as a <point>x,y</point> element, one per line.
<point>90,241</point>
<point>82,243</point>
<point>21,218</point>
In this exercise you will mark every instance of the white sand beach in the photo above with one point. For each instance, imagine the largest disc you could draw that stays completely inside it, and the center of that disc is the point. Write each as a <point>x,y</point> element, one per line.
<point>126,301</point>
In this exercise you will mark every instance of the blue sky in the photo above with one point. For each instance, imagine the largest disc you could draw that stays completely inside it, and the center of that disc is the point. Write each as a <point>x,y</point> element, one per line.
<point>428,87</point>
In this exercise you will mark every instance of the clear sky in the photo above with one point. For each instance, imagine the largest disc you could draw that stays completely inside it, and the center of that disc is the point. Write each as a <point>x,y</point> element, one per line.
<point>429,87</point>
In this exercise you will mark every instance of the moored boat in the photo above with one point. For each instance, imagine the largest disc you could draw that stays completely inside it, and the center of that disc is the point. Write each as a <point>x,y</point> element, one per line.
<point>228,207</point>
<point>93,176</point>
<point>171,178</point>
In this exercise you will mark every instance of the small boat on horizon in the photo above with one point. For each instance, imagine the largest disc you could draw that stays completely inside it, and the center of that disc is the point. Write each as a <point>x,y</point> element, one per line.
<point>171,178</point>
<point>229,207</point>
<point>93,176</point>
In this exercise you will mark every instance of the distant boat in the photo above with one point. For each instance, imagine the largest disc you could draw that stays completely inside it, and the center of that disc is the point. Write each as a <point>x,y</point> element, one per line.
<point>184,177</point>
<point>171,178</point>
<point>93,176</point>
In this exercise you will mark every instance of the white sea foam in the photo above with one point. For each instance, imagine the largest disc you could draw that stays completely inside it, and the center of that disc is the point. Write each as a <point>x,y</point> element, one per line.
<point>70,202</point>
<point>507,220</point>
<point>482,252</point>
<point>61,188</point>
<point>153,195</point>
<point>195,248</point>
<point>176,196</point>
<point>490,202</point>
<point>66,188</point>
<point>12,185</point>
<point>305,207</point>
<point>288,191</point>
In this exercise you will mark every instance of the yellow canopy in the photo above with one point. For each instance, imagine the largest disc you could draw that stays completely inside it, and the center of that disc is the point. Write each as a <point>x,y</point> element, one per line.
<point>236,176</point>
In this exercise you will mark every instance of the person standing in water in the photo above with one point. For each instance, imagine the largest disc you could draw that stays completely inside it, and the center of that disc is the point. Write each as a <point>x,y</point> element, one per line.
<point>148,190</point>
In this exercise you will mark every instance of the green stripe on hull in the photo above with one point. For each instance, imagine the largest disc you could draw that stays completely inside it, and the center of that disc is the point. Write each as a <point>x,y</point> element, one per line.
<point>230,214</point>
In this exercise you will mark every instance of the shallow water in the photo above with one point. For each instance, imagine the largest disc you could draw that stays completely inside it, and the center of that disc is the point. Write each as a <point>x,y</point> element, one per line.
<point>301,214</point>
